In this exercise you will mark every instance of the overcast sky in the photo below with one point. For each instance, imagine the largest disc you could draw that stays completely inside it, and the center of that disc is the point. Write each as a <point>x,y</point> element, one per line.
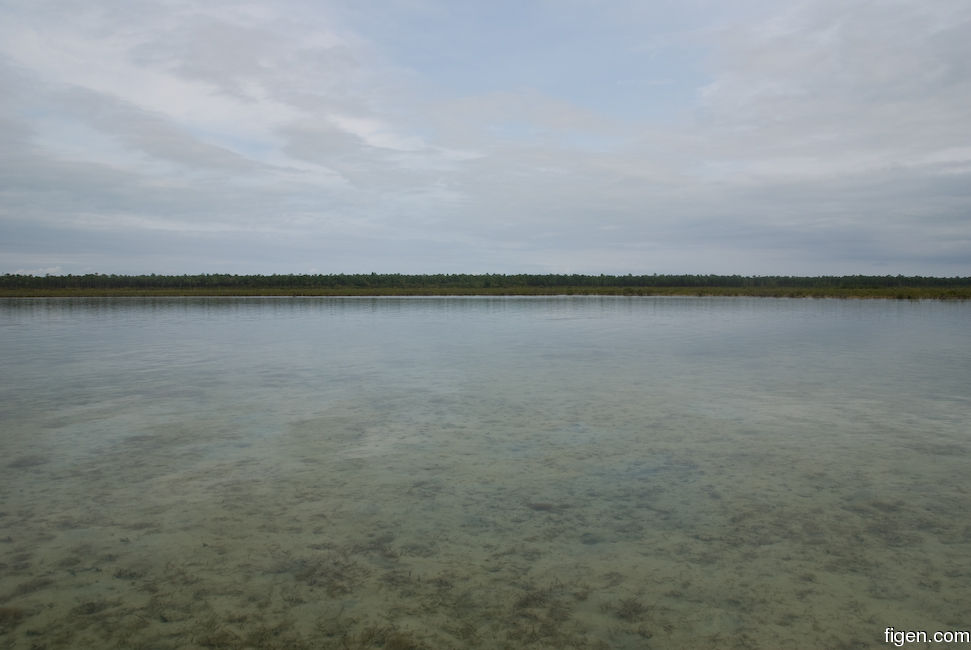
<point>804,137</point>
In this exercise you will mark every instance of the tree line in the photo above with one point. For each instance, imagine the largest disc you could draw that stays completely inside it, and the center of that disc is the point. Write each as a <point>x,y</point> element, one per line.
<point>487,281</point>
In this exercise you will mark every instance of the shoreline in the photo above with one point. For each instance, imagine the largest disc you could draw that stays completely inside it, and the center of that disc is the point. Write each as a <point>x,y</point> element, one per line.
<point>894,293</point>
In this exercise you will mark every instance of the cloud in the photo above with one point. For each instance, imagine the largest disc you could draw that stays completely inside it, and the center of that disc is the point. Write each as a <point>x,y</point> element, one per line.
<point>750,137</point>
<point>856,84</point>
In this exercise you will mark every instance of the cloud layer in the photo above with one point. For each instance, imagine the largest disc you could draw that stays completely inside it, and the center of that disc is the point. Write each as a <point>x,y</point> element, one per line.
<point>817,137</point>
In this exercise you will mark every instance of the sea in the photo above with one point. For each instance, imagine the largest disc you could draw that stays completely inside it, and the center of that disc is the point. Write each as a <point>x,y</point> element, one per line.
<point>483,472</point>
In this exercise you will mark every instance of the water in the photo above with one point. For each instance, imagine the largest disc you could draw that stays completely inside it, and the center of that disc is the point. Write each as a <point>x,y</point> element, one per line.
<point>482,472</point>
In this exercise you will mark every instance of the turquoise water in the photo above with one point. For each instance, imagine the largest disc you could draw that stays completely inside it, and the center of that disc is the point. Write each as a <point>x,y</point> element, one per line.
<point>583,472</point>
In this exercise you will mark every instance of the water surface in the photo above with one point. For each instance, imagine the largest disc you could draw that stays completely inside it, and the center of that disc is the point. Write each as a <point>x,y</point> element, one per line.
<point>586,472</point>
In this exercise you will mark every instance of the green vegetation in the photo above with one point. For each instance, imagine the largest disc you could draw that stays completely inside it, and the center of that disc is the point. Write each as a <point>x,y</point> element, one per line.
<point>393,284</point>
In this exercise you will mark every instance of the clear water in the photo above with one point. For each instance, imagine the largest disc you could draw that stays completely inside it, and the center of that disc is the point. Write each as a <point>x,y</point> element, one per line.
<point>482,472</point>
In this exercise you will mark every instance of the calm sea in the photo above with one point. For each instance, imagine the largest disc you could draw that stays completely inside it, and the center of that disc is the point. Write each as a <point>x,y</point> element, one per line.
<point>563,472</point>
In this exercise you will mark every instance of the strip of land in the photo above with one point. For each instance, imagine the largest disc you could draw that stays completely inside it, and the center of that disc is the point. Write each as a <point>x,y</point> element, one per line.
<point>374,284</point>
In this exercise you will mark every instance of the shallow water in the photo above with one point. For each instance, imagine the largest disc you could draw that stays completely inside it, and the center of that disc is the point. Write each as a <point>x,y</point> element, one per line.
<point>595,472</point>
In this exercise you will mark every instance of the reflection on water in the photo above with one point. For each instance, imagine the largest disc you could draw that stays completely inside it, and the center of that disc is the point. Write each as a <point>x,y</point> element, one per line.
<point>482,472</point>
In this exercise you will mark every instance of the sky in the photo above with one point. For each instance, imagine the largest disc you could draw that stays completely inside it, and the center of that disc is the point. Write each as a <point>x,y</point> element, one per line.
<point>757,137</point>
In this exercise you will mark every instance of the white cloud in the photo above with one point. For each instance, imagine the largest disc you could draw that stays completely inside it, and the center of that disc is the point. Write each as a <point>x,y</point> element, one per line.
<point>820,136</point>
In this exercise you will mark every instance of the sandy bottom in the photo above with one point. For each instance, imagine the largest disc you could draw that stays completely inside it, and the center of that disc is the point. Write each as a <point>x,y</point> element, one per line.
<point>460,520</point>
